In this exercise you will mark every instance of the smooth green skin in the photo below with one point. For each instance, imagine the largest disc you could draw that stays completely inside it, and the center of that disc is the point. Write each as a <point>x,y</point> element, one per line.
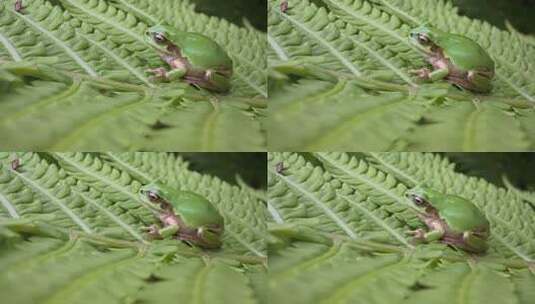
<point>202,53</point>
<point>464,53</point>
<point>193,209</point>
<point>460,215</point>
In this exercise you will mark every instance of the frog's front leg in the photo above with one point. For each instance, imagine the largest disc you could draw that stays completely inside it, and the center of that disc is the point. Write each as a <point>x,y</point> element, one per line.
<point>164,75</point>
<point>433,235</point>
<point>165,232</point>
<point>152,231</point>
<point>427,74</point>
<point>169,231</point>
<point>474,242</point>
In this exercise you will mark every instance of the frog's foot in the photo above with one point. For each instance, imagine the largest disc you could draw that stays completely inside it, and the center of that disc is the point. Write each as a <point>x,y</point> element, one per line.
<point>159,73</point>
<point>422,73</point>
<point>418,234</point>
<point>152,231</point>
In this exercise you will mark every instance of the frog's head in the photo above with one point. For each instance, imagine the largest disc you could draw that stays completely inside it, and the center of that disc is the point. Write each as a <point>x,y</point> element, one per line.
<point>158,37</point>
<point>420,196</point>
<point>156,194</point>
<point>423,37</point>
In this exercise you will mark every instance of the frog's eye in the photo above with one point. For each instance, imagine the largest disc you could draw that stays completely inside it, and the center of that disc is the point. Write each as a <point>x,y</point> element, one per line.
<point>159,37</point>
<point>422,38</point>
<point>153,197</point>
<point>418,201</point>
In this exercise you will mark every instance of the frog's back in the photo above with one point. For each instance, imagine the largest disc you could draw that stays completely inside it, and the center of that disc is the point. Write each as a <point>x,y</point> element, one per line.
<point>462,215</point>
<point>465,53</point>
<point>202,51</point>
<point>195,209</point>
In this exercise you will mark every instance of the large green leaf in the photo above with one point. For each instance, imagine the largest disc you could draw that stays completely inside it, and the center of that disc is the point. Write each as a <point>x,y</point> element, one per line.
<point>339,226</point>
<point>73,70</point>
<point>340,81</point>
<point>71,232</point>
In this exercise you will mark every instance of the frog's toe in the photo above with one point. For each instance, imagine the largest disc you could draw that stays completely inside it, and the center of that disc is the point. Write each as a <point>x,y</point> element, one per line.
<point>422,73</point>
<point>158,72</point>
<point>151,230</point>
<point>418,233</point>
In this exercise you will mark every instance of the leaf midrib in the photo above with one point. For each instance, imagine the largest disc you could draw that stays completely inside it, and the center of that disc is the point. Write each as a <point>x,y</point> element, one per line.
<point>362,177</point>
<point>75,134</point>
<point>107,20</point>
<point>322,141</point>
<point>297,105</point>
<point>312,197</point>
<point>78,59</point>
<point>371,22</point>
<point>366,277</point>
<point>380,222</point>
<point>304,265</point>
<point>118,59</point>
<point>96,176</point>
<point>11,210</point>
<point>31,183</point>
<point>277,48</point>
<point>32,108</point>
<point>346,62</point>
<point>74,286</point>
<point>10,47</point>
<point>113,217</point>
<point>393,168</point>
<point>275,215</point>
<point>382,60</point>
<point>199,282</point>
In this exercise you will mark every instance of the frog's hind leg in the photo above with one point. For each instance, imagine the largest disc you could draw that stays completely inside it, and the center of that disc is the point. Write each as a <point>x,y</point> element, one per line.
<point>210,237</point>
<point>479,81</point>
<point>209,80</point>
<point>217,81</point>
<point>474,242</point>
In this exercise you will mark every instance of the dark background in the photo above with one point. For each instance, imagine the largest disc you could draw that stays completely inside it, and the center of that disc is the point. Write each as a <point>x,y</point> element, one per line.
<point>518,168</point>
<point>251,167</point>
<point>255,11</point>
<point>520,13</point>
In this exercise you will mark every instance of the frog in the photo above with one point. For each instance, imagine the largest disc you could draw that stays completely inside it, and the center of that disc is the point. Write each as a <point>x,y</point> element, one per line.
<point>192,57</point>
<point>455,58</point>
<point>184,215</point>
<point>451,219</point>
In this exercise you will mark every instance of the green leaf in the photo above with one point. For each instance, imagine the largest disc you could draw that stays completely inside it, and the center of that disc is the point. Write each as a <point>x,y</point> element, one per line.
<point>347,64</point>
<point>339,224</point>
<point>73,70</point>
<point>71,226</point>
<point>458,283</point>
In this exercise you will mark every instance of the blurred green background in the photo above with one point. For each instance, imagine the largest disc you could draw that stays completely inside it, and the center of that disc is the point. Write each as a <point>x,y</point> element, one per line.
<point>255,11</point>
<point>520,13</point>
